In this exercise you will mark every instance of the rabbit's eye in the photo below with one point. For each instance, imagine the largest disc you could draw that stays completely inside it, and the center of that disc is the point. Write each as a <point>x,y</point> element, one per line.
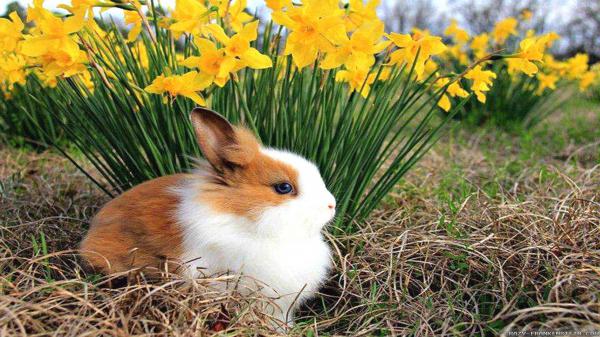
<point>283,188</point>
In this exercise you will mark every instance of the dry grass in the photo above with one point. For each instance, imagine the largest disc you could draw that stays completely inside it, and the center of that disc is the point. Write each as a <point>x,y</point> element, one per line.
<point>469,245</point>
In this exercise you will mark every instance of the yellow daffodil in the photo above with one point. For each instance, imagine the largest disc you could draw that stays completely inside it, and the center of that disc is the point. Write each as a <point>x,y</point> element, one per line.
<point>504,29</point>
<point>237,48</point>
<point>278,5</point>
<point>68,61</point>
<point>409,46</point>
<point>189,16</point>
<point>235,55</point>
<point>360,77</point>
<point>361,47</point>
<point>85,6</point>
<point>480,45</point>
<point>234,13</point>
<point>454,90</point>
<point>12,69</point>
<point>586,80</point>
<point>211,62</point>
<point>52,33</point>
<point>482,81</point>
<point>315,26</point>
<point>577,66</point>
<point>558,67</point>
<point>10,32</point>
<point>531,49</point>
<point>458,34</point>
<point>86,78</point>
<point>186,85</point>
<point>550,38</point>
<point>546,81</point>
<point>133,18</point>
<point>47,81</point>
<point>359,13</point>
<point>37,11</point>
<point>53,45</point>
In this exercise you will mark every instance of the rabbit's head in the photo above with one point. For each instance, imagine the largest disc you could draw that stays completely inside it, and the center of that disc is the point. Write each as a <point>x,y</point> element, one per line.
<point>281,193</point>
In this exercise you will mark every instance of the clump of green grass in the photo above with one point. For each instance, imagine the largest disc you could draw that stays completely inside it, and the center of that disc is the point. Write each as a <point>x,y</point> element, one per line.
<point>25,117</point>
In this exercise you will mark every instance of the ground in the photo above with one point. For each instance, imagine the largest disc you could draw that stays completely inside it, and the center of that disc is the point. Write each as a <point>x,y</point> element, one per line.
<point>491,232</point>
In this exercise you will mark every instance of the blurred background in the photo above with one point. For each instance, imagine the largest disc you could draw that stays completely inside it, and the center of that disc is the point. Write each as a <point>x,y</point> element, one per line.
<point>577,21</point>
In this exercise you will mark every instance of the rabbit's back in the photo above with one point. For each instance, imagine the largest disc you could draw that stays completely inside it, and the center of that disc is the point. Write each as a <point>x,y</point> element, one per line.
<point>137,229</point>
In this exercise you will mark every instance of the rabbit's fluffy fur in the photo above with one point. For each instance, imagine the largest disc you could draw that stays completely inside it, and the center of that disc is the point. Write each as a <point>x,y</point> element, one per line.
<point>225,217</point>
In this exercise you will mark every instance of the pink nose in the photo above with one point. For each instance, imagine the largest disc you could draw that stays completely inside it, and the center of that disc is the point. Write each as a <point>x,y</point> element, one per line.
<point>331,206</point>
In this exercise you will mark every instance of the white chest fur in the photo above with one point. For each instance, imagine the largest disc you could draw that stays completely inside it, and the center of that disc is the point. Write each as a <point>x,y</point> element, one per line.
<point>282,264</point>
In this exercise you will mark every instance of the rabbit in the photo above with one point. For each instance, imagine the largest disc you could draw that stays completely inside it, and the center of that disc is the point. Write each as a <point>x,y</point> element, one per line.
<point>247,209</point>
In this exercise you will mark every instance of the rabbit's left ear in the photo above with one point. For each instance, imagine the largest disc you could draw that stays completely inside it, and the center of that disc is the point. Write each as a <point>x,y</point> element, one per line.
<point>223,145</point>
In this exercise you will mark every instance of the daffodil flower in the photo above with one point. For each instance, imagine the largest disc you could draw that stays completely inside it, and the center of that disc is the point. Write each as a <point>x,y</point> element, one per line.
<point>558,67</point>
<point>186,85</point>
<point>504,29</point>
<point>133,18</point>
<point>586,80</point>
<point>480,44</point>
<point>315,26</point>
<point>211,62</point>
<point>278,5</point>
<point>235,55</point>
<point>53,33</point>
<point>12,69</point>
<point>233,13</point>
<point>359,13</point>
<point>11,32</point>
<point>576,66</point>
<point>460,35</point>
<point>53,45</point>
<point>237,48</point>
<point>189,16</point>
<point>454,90</point>
<point>358,77</point>
<point>546,81</point>
<point>531,49</point>
<point>423,45</point>
<point>482,81</point>
<point>85,6</point>
<point>361,47</point>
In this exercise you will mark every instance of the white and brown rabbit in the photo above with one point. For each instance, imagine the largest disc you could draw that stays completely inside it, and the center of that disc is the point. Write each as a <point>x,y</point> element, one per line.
<point>254,211</point>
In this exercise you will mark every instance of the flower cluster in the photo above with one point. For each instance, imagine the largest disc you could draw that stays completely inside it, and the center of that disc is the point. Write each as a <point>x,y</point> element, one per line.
<point>12,62</point>
<point>345,37</point>
<point>530,58</point>
<point>49,49</point>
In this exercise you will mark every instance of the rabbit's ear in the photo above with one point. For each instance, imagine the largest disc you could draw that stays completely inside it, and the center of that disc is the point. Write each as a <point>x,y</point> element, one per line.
<point>223,145</point>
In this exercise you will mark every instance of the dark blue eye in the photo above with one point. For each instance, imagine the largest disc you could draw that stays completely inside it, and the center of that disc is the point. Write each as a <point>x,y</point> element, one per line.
<point>283,188</point>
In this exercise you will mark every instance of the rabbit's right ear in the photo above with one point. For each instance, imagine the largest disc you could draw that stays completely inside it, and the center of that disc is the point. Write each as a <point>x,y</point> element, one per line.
<point>223,145</point>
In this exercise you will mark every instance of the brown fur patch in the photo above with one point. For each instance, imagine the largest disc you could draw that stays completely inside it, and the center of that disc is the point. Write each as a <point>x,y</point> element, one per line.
<point>136,229</point>
<point>243,150</point>
<point>222,144</point>
<point>246,190</point>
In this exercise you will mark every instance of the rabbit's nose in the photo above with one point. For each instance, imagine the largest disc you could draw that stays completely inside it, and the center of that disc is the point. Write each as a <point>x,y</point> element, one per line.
<point>331,206</point>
